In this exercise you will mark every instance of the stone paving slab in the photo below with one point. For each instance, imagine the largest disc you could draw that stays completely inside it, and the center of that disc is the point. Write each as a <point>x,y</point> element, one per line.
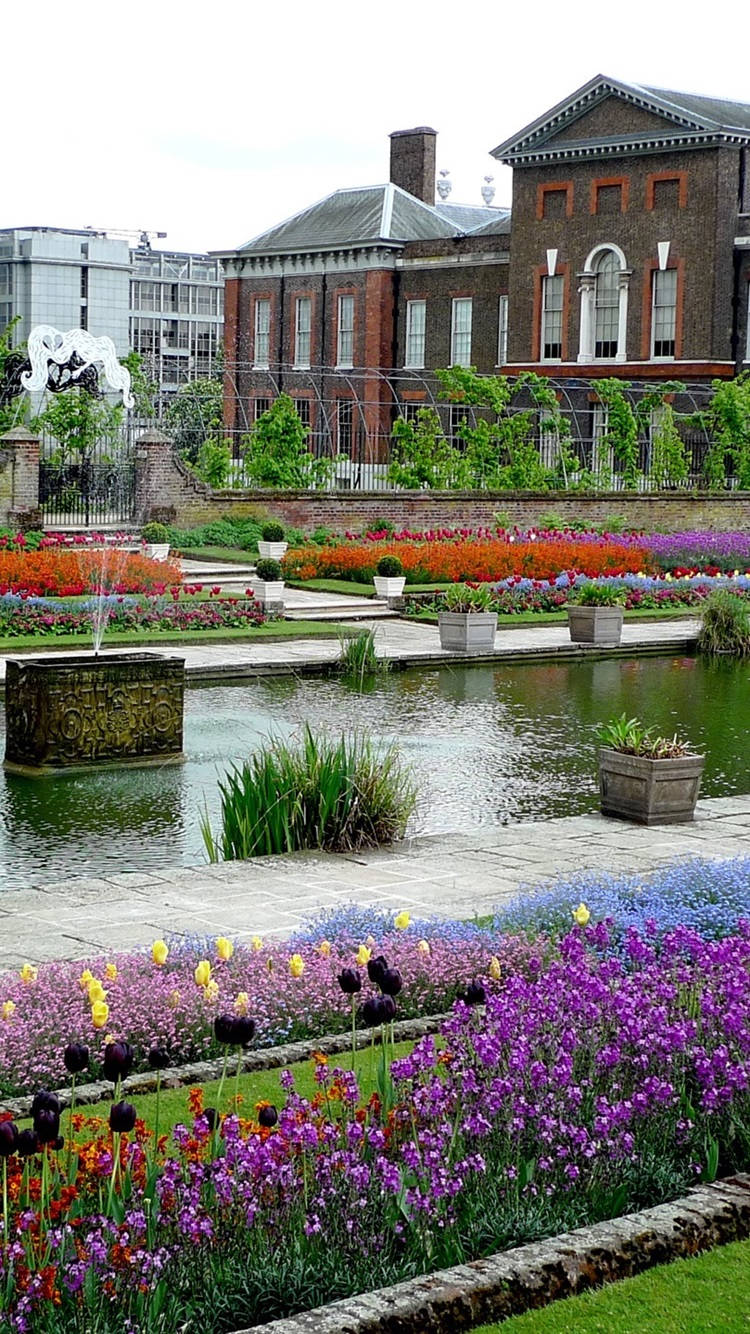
<point>454,875</point>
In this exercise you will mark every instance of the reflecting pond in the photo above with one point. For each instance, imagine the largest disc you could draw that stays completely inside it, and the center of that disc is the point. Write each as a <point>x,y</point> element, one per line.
<point>487,745</point>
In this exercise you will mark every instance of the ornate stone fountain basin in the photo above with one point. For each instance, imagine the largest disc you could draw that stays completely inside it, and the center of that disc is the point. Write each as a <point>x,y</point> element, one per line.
<point>86,710</point>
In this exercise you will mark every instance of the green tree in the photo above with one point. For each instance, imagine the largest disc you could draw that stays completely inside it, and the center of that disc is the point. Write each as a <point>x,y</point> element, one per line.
<point>143,388</point>
<point>195,413</point>
<point>77,421</point>
<point>14,407</point>
<point>422,457</point>
<point>728,419</point>
<point>621,435</point>
<point>275,453</point>
<point>669,465</point>
<point>501,446</point>
<point>214,463</point>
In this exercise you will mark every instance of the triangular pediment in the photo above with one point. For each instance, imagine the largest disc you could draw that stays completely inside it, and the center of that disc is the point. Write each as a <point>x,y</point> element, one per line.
<point>608,112</point>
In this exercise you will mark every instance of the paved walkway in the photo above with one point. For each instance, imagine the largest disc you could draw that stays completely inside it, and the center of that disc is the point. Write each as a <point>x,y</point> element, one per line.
<point>456,875</point>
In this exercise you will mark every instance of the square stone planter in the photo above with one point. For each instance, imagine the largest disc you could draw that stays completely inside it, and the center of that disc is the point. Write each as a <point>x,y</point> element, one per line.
<point>391,587</point>
<point>467,631</point>
<point>272,550</point>
<point>269,591</point>
<point>632,787</point>
<point>595,625</point>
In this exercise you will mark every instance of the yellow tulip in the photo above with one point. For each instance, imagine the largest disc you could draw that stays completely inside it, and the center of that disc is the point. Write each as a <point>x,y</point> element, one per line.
<point>224,947</point>
<point>581,914</point>
<point>324,948</point>
<point>86,977</point>
<point>241,1003</point>
<point>401,921</point>
<point>28,973</point>
<point>296,965</point>
<point>110,972</point>
<point>495,969</point>
<point>96,991</point>
<point>211,989</point>
<point>423,946</point>
<point>202,973</point>
<point>159,952</point>
<point>256,942</point>
<point>8,1009</point>
<point>173,1000</point>
<point>363,955</point>
<point>99,1013</point>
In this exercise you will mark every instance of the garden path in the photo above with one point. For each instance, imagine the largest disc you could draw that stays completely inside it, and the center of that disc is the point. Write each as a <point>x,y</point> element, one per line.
<point>456,875</point>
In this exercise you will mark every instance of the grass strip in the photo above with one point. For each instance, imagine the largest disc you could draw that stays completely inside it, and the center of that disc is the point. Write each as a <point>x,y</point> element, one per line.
<point>354,589</point>
<point>276,630</point>
<point>702,1295</point>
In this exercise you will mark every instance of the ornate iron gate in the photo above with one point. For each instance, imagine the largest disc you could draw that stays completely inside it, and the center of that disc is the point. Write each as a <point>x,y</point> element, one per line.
<point>90,489</point>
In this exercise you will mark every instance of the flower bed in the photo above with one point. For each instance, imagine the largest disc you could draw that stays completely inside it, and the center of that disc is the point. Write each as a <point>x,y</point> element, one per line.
<point>585,1088</point>
<point>478,558</point>
<point>704,550</point>
<point>73,573</point>
<point>645,592</point>
<point>42,617</point>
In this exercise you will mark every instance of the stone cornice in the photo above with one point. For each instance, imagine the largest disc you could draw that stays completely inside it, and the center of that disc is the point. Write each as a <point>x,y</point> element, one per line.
<point>333,259</point>
<point>621,148</point>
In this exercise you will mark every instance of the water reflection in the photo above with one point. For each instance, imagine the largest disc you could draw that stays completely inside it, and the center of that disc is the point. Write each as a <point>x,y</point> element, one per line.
<point>487,745</point>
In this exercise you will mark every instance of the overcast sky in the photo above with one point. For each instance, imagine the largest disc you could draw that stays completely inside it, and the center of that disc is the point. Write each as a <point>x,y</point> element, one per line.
<point>212,122</point>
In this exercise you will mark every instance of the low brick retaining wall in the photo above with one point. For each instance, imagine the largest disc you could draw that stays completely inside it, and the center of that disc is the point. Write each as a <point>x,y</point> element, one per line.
<point>502,1285</point>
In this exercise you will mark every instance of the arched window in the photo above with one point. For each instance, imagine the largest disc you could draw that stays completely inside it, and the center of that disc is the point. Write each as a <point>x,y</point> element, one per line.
<point>604,305</point>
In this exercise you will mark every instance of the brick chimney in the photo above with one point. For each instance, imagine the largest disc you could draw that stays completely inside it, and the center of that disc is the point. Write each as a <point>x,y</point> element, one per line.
<point>413,161</point>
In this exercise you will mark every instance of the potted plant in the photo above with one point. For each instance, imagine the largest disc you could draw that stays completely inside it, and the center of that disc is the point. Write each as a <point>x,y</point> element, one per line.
<point>465,621</point>
<point>647,778</point>
<point>271,544</point>
<point>155,540</point>
<point>389,577</point>
<point>595,614</point>
<point>268,584</point>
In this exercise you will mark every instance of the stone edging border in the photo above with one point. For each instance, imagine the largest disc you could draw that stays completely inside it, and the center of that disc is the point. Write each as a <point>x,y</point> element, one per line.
<point>514,1281</point>
<point>265,1058</point>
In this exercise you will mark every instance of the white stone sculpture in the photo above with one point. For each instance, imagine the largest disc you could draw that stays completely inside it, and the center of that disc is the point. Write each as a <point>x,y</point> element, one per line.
<point>46,344</point>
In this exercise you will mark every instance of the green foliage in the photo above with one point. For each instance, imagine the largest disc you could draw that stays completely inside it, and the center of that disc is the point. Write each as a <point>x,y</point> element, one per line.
<point>16,411</point>
<point>631,737</point>
<point>621,435</point>
<point>272,532</point>
<point>155,532</point>
<point>77,421</point>
<point>268,570</point>
<point>275,454</point>
<point>422,457</point>
<point>195,414</point>
<point>319,793</point>
<point>214,462</point>
<point>358,661</point>
<point>729,429</point>
<point>143,388</point>
<point>464,598</point>
<point>725,625</point>
<point>598,595</point>
<point>389,567</point>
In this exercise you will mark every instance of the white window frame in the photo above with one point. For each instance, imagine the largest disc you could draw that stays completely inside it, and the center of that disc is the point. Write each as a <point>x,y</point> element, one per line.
<point>345,331</point>
<point>262,341</point>
<point>416,322</point>
<point>587,289</point>
<point>657,277</point>
<point>502,331</point>
<point>548,312</point>
<point>302,332</point>
<point>461,321</point>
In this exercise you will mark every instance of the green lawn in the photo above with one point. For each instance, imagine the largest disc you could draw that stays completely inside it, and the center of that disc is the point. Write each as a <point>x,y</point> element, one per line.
<point>707,1294</point>
<point>275,630</point>
<point>234,555</point>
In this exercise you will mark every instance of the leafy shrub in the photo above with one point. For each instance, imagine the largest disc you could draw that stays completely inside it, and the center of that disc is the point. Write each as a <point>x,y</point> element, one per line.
<point>463,598</point>
<point>725,625</point>
<point>272,532</point>
<point>630,737</point>
<point>213,463</point>
<point>320,793</point>
<point>155,532</point>
<point>598,595</point>
<point>268,569</point>
<point>389,567</point>
<point>358,659</point>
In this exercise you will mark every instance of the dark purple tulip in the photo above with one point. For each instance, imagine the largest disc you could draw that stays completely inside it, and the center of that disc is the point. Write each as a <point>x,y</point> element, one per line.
<point>475,994</point>
<point>158,1058</point>
<point>376,967</point>
<point>8,1138</point>
<point>76,1057</point>
<point>58,1143</point>
<point>350,981</point>
<point>390,982</point>
<point>387,1009</point>
<point>44,1101</point>
<point>47,1125</point>
<point>268,1116</point>
<point>211,1115</point>
<point>117,1060</point>
<point>224,1028</point>
<point>121,1117</point>
<point>372,1011</point>
<point>244,1030</point>
<point>27,1143</point>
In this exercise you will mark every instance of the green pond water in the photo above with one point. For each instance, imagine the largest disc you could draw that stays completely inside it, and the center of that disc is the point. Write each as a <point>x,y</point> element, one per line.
<point>487,745</point>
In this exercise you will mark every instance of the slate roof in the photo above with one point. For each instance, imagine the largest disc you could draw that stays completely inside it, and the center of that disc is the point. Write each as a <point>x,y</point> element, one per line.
<point>712,110</point>
<point>371,214</point>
